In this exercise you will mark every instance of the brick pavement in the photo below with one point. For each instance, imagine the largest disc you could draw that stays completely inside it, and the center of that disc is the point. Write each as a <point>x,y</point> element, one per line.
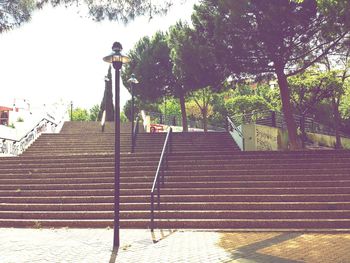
<point>94,245</point>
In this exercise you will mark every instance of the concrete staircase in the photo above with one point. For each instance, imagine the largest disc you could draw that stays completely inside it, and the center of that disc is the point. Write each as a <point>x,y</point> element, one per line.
<point>67,180</point>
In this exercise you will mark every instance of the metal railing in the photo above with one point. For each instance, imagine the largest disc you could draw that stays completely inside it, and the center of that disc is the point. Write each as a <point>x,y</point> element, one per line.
<point>192,123</point>
<point>276,119</point>
<point>134,134</point>
<point>236,133</point>
<point>15,147</point>
<point>159,178</point>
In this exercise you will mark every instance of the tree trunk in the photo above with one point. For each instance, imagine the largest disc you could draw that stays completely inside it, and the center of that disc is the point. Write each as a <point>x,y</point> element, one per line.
<point>302,129</point>
<point>287,109</point>
<point>183,112</point>
<point>336,114</point>
<point>205,119</point>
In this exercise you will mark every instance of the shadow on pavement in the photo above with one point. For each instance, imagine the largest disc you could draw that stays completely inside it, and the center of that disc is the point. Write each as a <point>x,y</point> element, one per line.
<point>113,256</point>
<point>249,251</point>
<point>161,235</point>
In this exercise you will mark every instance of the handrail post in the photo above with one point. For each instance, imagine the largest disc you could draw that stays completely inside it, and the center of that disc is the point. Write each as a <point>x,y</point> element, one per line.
<point>152,212</point>
<point>273,119</point>
<point>162,173</point>
<point>227,124</point>
<point>158,193</point>
<point>134,134</point>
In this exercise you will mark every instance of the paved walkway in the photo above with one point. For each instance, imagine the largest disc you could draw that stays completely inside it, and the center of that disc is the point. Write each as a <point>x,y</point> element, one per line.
<point>94,245</point>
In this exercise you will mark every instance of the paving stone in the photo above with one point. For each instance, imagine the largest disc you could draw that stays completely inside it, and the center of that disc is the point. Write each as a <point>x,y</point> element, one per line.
<point>141,246</point>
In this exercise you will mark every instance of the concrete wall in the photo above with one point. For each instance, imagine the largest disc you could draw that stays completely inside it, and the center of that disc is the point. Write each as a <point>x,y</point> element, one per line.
<point>264,138</point>
<point>327,140</point>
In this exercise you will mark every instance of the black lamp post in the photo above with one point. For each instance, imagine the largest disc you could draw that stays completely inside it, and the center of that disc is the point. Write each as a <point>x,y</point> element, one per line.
<point>71,111</point>
<point>117,59</point>
<point>132,82</point>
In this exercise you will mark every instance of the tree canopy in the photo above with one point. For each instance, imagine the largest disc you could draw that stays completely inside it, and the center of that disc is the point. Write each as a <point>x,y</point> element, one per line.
<point>15,12</point>
<point>153,66</point>
<point>280,37</point>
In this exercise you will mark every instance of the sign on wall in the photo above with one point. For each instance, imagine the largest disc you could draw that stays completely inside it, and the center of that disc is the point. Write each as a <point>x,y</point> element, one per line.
<point>266,138</point>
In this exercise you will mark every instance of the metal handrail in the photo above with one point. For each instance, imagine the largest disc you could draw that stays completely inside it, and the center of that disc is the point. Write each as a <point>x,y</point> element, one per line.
<point>232,127</point>
<point>19,145</point>
<point>134,134</point>
<point>159,176</point>
<point>103,121</point>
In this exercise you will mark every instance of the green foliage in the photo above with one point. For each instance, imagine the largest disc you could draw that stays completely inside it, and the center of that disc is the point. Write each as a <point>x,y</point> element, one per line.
<point>195,66</point>
<point>120,10</point>
<point>310,88</point>
<point>252,37</point>
<point>123,117</point>
<point>151,63</point>
<point>20,119</point>
<point>127,109</point>
<point>262,89</point>
<point>345,103</point>
<point>170,106</point>
<point>138,106</point>
<point>201,105</point>
<point>94,111</point>
<point>246,104</point>
<point>152,67</point>
<point>259,36</point>
<point>80,114</point>
<point>13,13</point>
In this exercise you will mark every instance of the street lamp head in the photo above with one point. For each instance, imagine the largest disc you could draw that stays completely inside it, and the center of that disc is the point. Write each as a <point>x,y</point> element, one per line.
<point>117,47</point>
<point>116,57</point>
<point>133,79</point>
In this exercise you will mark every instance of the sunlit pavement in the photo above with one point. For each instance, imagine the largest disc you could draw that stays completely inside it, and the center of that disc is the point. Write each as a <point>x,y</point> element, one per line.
<point>95,245</point>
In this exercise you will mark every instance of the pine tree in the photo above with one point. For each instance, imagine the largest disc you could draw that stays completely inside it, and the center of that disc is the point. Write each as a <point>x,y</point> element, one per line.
<point>107,101</point>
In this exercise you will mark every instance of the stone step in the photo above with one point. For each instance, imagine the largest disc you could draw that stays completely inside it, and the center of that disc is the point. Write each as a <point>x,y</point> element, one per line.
<point>102,172</point>
<point>267,206</point>
<point>181,215</point>
<point>130,178</point>
<point>237,224</point>
<point>185,169</point>
<point>173,164</point>
<point>178,185</point>
<point>320,198</point>
<point>68,180</point>
<point>173,192</point>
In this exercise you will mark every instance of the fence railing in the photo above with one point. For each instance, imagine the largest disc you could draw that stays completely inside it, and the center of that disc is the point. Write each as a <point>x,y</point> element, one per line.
<point>159,178</point>
<point>276,119</point>
<point>176,120</point>
<point>9,146</point>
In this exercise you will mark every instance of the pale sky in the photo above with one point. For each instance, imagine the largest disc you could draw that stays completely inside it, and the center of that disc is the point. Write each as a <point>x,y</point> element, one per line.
<point>58,54</point>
